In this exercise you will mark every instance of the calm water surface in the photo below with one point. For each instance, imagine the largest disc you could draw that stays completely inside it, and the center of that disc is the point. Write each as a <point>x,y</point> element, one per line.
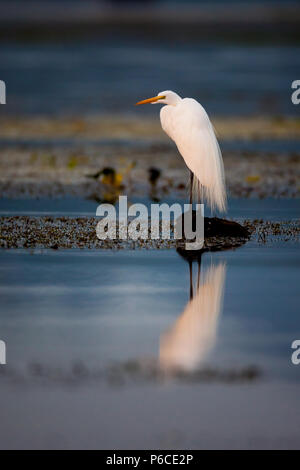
<point>72,321</point>
<point>241,209</point>
<point>110,75</point>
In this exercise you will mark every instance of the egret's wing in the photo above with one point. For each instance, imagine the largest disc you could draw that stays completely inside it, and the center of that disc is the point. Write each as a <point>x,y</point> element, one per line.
<point>189,126</point>
<point>188,341</point>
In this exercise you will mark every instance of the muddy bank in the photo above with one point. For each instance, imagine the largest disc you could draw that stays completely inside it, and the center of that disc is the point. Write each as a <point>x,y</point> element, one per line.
<point>60,172</point>
<point>57,157</point>
<point>133,125</point>
<point>64,233</point>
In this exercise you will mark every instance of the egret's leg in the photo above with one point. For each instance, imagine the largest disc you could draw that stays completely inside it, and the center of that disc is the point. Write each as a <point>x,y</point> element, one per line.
<point>191,279</point>
<point>191,186</point>
<point>199,272</point>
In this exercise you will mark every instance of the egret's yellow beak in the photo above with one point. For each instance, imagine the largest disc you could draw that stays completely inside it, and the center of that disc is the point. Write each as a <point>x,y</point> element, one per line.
<point>151,100</point>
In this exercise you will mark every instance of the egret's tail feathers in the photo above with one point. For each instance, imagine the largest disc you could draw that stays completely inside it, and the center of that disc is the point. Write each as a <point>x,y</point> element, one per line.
<point>212,189</point>
<point>215,198</point>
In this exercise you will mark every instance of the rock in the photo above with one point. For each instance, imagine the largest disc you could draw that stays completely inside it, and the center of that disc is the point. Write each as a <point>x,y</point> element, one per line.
<point>215,227</point>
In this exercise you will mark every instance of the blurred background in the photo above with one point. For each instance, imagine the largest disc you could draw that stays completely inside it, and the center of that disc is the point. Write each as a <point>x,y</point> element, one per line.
<point>74,70</point>
<point>87,330</point>
<point>75,56</point>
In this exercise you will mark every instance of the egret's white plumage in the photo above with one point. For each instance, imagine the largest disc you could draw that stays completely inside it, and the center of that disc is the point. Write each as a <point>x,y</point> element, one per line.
<point>188,125</point>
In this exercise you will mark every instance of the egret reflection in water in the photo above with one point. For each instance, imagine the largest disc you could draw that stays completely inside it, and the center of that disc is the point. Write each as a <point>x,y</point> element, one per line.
<point>188,341</point>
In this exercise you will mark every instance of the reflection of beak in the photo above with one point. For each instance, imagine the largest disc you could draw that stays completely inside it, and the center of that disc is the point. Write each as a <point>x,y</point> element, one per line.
<point>151,100</point>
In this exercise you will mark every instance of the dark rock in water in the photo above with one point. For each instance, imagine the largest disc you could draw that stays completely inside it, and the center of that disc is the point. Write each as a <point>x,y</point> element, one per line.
<point>215,227</point>
<point>219,234</point>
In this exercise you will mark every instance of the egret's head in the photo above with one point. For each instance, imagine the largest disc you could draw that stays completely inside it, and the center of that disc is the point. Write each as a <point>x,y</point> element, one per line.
<point>164,97</point>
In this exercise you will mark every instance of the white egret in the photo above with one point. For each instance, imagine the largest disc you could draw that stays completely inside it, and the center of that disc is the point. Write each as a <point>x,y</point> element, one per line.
<point>186,122</point>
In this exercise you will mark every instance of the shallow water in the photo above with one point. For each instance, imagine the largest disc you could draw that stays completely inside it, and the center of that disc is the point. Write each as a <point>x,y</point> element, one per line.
<point>67,317</point>
<point>115,349</point>
<point>112,74</point>
<point>241,209</point>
